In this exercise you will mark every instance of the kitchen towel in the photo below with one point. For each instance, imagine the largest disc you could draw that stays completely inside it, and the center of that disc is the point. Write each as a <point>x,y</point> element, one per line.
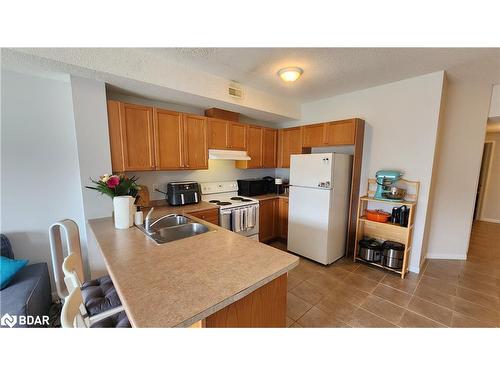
<point>244,226</point>
<point>252,216</point>
<point>236,220</point>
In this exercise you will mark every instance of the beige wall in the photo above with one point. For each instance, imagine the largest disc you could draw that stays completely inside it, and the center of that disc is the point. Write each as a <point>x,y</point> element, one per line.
<point>458,158</point>
<point>40,169</point>
<point>401,131</point>
<point>495,102</point>
<point>491,202</point>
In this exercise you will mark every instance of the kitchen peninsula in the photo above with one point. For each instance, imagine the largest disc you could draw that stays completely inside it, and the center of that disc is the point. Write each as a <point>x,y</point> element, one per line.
<point>216,279</point>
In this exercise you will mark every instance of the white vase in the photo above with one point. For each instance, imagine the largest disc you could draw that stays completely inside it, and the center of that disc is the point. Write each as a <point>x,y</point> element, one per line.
<point>124,211</point>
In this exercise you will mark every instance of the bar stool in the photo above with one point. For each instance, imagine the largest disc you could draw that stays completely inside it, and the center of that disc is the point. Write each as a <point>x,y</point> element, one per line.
<point>74,313</point>
<point>98,295</point>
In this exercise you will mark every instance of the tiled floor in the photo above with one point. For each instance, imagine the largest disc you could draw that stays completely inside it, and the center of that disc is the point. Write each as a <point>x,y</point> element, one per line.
<point>445,294</point>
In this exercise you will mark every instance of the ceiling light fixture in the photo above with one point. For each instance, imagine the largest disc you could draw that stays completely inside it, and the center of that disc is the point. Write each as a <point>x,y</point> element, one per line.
<point>290,74</point>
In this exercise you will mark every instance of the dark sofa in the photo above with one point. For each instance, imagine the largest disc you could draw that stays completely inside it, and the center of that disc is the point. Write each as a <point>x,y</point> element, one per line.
<point>28,293</point>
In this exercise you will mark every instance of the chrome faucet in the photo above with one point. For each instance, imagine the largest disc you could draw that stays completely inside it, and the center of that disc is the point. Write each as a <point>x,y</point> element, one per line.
<point>148,224</point>
<point>147,221</point>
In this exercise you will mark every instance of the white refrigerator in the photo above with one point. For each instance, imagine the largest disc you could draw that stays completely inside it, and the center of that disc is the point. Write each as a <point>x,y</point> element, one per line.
<point>319,205</point>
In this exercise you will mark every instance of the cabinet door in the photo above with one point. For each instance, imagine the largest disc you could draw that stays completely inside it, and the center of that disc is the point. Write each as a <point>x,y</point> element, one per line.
<point>340,133</point>
<point>254,147</point>
<point>313,135</point>
<point>217,134</point>
<point>168,140</point>
<point>269,145</point>
<point>195,142</point>
<point>115,136</point>
<point>267,219</point>
<point>290,144</point>
<point>137,137</point>
<point>237,136</point>
<point>211,215</point>
<point>283,218</point>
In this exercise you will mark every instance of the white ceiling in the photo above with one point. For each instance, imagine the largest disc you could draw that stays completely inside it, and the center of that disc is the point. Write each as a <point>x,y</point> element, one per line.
<point>327,71</point>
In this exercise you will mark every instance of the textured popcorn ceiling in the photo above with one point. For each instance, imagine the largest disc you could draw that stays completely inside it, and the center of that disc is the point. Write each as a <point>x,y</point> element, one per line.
<point>199,77</point>
<point>327,71</point>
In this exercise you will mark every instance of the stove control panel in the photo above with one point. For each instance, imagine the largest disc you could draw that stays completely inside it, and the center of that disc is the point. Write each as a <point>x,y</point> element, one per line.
<point>218,187</point>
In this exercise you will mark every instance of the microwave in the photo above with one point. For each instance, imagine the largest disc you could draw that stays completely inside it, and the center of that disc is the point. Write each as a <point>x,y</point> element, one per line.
<point>252,187</point>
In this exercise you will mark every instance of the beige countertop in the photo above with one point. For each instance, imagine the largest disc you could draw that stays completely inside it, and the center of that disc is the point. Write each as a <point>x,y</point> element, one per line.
<point>161,208</point>
<point>181,282</point>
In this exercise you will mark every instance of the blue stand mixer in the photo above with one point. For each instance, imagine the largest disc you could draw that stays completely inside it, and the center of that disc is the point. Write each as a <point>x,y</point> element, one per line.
<point>386,186</point>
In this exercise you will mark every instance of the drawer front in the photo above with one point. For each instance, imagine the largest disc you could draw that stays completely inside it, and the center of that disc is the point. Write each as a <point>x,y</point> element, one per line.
<point>210,215</point>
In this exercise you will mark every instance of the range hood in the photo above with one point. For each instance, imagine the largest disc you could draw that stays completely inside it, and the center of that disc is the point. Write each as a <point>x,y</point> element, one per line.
<point>227,155</point>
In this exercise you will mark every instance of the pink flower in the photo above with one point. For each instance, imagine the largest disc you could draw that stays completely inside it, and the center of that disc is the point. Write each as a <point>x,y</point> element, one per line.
<point>113,181</point>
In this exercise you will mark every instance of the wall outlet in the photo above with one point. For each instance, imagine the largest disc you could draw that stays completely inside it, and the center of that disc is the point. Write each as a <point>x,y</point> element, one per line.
<point>155,187</point>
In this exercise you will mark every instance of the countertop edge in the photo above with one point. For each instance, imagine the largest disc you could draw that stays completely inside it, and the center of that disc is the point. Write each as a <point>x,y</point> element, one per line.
<point>269,196</point>
<point>228,301</point>
<point>110,273</point>
<point>209,311</point>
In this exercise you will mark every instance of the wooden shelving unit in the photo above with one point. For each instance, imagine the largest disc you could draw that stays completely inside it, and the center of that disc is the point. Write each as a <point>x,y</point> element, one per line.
<point>387,231</point>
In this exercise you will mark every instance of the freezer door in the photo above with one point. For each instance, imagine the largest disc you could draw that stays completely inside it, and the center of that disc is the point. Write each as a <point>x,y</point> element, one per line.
<point>308,223</point>
<point>311,170</point>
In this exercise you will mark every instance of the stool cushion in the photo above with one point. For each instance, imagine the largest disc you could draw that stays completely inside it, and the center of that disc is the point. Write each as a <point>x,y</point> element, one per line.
<point>99,295</point>
<point>119,320</point>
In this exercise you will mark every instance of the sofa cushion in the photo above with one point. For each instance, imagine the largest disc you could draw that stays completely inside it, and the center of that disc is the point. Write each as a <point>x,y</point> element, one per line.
<point>8,269</point>
<point>119,320</point>
<point>28,293</point>
<point>99,295</point>
<point>6,247</point>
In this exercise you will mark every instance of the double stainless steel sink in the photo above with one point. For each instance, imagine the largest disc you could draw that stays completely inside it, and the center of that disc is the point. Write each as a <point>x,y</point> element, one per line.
<point>172,228</point>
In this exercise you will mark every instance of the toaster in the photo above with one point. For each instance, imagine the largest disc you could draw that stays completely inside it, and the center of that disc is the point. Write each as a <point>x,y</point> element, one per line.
<point>183,192</point>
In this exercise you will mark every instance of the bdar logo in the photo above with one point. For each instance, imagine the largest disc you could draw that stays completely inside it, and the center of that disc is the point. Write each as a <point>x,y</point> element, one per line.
<point>8,320</point>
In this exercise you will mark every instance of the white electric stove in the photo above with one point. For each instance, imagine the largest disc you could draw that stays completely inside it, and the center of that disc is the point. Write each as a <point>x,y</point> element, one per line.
<point>237,213</point>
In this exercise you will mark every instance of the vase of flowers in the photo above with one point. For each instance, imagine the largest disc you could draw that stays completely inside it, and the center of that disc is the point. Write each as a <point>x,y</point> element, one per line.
<point>123,190</point>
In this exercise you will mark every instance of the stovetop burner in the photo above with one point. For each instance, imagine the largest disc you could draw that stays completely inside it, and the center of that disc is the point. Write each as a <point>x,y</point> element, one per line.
<point>241,199</point>
<point>214,201</point>
<point>223,203</point>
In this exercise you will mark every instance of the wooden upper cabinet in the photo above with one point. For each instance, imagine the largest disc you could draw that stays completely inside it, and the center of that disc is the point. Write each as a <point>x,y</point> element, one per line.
<point>254,147</point>
<point>290,143</point>
<point>226,135</point>
<point>333,133</point>
<point>115,136</point>
<point>269,147</point>
<point>137,137</point>
<point>237,136</point>
<point>195,142</point>
<point>168,128</point>
<point>261,147</point>
<point>313,135</point>
<point>217,134</point>
<point>340,133</point>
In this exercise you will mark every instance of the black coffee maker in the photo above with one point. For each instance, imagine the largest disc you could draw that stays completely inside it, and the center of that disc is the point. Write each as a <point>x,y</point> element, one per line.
<point>400,215</point>
<point>271,187</point>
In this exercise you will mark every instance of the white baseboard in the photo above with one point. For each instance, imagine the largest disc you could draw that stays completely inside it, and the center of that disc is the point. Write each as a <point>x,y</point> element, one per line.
<point>447,256</point>
<point>490,220</point>
<point>414,269</point>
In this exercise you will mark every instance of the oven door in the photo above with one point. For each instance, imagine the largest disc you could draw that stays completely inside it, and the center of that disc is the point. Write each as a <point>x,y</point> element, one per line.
<point>226,222</point>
